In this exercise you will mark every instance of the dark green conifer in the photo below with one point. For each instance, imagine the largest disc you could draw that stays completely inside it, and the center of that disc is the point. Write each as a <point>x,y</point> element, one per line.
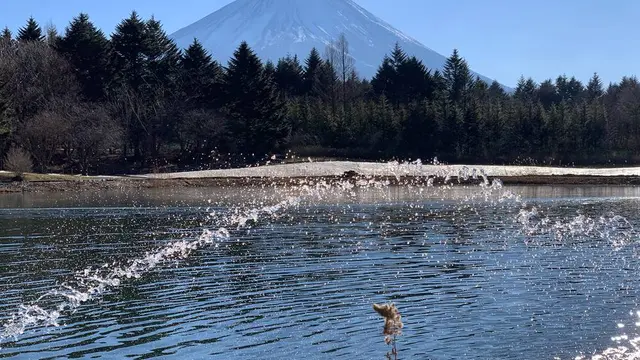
<point>289,76</point>
<point>457,77</point>
<point>30,32</point>
<point>130,44</point>
<point>311,76</point>
<point>201,76</point>
<point>88,50</point>
<point>256,115</point>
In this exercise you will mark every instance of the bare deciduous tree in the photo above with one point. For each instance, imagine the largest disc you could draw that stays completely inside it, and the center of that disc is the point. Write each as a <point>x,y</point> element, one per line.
<point>337,54</point>
<point>92,133</point>
<point>18,161</point>
<point>42,135</point>
<point>32,76</point>
<point>345,65</point>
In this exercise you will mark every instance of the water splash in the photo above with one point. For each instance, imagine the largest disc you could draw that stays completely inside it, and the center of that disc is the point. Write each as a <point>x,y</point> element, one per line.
<point>610,227</point>
<point>91,283</point>
<point>627,347</point>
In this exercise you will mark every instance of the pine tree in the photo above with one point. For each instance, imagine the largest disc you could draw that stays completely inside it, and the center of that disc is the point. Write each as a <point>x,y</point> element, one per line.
<point>159,90</point>
<point>88,50</point>
<point>289,76</point>
<point>526,89</point>
<point>52,37</point>
<point>419,131</point>
<point>257,121</point>
<point>162,56</point>
<point>199,128</point>
<point>594,88</point>
<point>496,91</point>
<point>311,76</point>
<point>594,129</point>
<point>414,81</point>
<point>569,89</point>
<point>130,44</point>
<point>201,76</point>
<point>398,56</point>
<point>6,34</point>
<point>328,83</point>
<point>401,78</point>
<point>6,37</point>
<point>269,69</point>
<point>480,90</point>
<point>30,32</point>
<point>383,82</point>
<point>548,94</point>
<point>457,77</point>
<point>469,144</point>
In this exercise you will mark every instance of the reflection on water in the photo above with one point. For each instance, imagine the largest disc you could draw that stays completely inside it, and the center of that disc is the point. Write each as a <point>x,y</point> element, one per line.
<point>585,191</point>
<point>469,280</point>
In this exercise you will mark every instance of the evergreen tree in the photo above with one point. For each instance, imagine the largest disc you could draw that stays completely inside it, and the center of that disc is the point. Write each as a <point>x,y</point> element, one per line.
<point>383,81</point>
<point>311,76</point>
<point>160,73</point>
<point>201,76</point>
<point>88,50</point>
<point>328,82</point>
<point>548,94</point>
<point>480,90</point>
<point>257,121</point>
<point>457,77</point>
<point>526,89</point>
<point>30,32</point>
<point>161,56</point>
<point>52,37</point>
<point>130,44</point>
<point>594,129</point>
<point>402,79</point>
<point>414,81</point>
<point>569,89</point>
<point>594,88</point>
<point>269,70</point>
<point>469,142</point>
<point>289,76</point>
<point>398,56</point>
<point>199,129</point>
<point>496,91</point>
<point>6,35</point>
<point>419,131</point>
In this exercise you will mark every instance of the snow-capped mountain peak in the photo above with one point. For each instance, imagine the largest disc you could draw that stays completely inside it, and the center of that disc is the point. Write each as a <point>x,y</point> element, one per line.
<point>275,28</point>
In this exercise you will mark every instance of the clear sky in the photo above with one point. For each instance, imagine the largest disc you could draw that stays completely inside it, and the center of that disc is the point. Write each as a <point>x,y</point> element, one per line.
<point>501,39</point>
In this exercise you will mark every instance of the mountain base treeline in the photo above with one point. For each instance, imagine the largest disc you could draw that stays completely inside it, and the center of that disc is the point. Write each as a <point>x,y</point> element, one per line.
<point>80,102</point>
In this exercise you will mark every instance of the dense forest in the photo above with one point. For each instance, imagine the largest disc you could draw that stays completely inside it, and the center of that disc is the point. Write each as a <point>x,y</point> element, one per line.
<point>82,102</point>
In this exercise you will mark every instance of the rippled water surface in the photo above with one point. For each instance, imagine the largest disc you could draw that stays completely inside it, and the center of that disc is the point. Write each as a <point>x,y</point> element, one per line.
<point>476,274</point>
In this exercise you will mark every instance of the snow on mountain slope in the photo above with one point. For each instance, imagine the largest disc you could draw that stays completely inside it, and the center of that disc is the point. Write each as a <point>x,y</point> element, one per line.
<point>275,28</point>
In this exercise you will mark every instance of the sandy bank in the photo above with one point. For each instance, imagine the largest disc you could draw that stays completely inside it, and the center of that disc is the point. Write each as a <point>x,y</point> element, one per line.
<point>332,171</point>
<point>338,168</point>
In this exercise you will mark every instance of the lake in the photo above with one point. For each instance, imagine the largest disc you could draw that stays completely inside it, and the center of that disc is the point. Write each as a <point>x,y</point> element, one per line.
<point>477,272</point>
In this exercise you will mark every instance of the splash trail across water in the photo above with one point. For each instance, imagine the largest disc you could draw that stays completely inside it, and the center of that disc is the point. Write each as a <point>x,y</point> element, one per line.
<point>92,283</point>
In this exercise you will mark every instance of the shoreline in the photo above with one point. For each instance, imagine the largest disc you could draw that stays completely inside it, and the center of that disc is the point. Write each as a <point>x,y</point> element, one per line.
<point>292,174</point>
<point>132,183</point>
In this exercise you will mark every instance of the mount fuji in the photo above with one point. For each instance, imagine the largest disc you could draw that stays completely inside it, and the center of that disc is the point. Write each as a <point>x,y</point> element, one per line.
<point>276,28</point>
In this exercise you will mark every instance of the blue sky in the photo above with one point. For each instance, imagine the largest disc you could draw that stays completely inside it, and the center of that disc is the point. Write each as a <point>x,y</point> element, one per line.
<point>502,39</point>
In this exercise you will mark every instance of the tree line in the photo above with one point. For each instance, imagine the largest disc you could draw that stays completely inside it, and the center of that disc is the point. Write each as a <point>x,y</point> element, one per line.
<point>80,101</point>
